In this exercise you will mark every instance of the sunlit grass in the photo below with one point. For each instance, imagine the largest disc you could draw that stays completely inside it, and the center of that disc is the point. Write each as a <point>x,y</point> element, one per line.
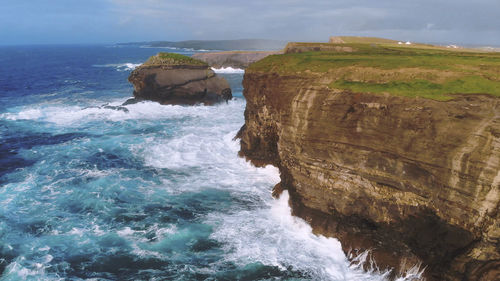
<point>466,72</point>
<point>173,59</point>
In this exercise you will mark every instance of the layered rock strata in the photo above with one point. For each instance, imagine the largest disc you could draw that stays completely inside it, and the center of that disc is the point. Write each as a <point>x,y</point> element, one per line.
<point>414,180</point>
<point>175,79</point>
<point>234,59</point>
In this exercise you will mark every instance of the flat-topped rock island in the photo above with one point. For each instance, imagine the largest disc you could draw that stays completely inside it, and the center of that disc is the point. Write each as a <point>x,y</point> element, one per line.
<point>171,78</point>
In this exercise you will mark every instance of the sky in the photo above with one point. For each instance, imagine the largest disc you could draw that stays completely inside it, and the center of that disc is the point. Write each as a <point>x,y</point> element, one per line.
<point>466,22</point>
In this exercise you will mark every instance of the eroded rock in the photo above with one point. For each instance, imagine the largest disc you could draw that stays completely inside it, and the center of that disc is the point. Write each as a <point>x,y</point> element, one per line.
<point>412,179</point>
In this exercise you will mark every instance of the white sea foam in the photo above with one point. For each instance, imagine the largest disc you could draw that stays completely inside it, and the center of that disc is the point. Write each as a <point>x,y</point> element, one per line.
<point>16,271</point>
<point>267,234</point>
<point>177,49</point>
<point>284,241</point>
<point>120,66</point>
<point>202,150</point>
<point>74,115</point>
<point>228,70</point>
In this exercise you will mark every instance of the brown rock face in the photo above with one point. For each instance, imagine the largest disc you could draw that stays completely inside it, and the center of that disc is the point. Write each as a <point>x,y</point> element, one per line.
<point>234,59</point>
<point>414,180</point>
<point>179,84</point>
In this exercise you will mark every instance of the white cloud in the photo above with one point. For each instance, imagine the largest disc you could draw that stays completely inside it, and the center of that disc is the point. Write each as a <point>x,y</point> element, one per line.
<point>311,20</point>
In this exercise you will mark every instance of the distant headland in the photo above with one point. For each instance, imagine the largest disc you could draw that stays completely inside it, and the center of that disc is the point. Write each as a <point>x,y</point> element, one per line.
<point>212,45</point>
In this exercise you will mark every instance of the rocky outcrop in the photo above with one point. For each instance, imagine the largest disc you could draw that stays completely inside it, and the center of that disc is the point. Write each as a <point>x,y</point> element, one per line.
<point>234,59</point>
<point>176,79</point>
<point>414,180</point>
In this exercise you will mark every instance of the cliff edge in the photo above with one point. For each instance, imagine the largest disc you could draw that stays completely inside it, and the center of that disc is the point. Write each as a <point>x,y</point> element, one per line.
<point>171,78</point>
<point>390,149</point>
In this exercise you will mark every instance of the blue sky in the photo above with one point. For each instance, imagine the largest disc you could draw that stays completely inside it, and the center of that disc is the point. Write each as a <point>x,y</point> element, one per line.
<point>110,21</point>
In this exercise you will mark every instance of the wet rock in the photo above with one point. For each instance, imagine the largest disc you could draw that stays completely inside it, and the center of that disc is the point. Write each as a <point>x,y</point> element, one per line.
<point>131,101</point>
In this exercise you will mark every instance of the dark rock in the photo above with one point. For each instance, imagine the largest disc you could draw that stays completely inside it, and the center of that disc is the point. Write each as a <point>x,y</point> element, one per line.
<point>119,108</point>
<point>131,101</point>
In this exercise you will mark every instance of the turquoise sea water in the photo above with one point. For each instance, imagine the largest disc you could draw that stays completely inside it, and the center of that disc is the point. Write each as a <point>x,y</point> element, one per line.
<point>90,191</point>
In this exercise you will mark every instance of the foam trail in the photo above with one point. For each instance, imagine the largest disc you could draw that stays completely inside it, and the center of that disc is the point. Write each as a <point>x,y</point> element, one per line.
<point>120,66</point>
<point>228,70</point>
<point>74,115</point>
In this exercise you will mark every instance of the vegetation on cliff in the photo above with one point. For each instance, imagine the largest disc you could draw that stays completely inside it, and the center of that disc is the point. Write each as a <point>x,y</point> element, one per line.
<point>423,71</point>
<point>173,59</point>
<point>360,39</point>
<point>412,180</point>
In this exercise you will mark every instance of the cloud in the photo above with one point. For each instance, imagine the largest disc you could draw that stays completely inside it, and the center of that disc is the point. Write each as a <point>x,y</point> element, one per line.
<point>313,20</point>
<point>316,20</point>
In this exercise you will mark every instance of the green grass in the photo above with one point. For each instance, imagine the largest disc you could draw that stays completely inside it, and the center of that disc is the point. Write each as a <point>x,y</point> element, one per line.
<point>424,88</point>
<point>173,59</point>
<point>428,72</point>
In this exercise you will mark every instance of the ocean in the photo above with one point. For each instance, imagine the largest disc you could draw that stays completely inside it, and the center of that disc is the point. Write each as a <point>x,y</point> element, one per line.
<point>92,190</point>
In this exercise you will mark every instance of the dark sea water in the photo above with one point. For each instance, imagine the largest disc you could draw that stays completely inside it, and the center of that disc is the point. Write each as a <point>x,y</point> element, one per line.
<point>141,192</point>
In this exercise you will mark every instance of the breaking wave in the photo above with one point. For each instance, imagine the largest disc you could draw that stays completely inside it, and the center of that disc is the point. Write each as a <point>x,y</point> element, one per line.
<point>101,191</point>
<point>228,70</point>
<point>120,66</point>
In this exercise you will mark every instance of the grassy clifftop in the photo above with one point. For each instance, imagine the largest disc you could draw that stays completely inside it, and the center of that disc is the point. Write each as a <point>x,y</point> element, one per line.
<point>360,39</point>
<point>173,59</point>
<point>415,70</point>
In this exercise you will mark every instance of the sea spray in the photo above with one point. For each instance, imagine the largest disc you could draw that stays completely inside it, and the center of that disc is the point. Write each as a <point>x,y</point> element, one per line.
<point>153,192</point>
<point>228,70</point>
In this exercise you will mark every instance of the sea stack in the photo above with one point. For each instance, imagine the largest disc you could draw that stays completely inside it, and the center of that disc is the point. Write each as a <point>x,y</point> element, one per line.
<point>388,148</point>
<point>170,78</point>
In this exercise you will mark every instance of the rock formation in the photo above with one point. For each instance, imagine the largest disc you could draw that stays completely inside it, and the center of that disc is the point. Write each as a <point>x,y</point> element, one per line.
<point>176,79</point>
<point>234,59</point>
<point>414,180</point>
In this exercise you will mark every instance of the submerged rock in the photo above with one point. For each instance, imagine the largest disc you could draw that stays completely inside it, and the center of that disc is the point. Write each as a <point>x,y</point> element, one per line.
<point>131,101</point>
<point>176,79</point>
<point>118,108</point>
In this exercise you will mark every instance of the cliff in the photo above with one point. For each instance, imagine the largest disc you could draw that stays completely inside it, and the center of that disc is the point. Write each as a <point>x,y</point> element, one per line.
<point>393,150</point>
<point>234,59</point>
<point>176,79</point>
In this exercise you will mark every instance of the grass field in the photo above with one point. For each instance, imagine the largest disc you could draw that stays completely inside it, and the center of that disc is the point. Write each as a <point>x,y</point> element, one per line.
<point>173,59</point>
<point>423,70</point>
<point>361,39</point>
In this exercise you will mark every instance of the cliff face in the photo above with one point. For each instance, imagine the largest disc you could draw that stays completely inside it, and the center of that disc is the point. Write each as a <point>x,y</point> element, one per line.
<point>412,179</point>
<point>234,59</point>
<point>176,79</point>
